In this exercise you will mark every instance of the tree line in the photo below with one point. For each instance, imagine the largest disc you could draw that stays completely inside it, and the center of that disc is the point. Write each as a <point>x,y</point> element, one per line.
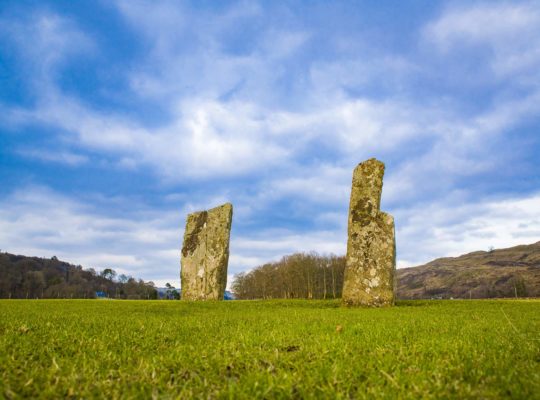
<point>296,276</point>
<point>24,277</point>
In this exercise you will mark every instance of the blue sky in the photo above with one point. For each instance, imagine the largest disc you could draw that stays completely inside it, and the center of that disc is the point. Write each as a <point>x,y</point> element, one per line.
<point>117,118</point>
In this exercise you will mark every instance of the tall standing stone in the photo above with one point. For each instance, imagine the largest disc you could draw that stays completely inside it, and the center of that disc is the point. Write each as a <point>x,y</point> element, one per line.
<point>371,251</point>
<point>205,254</point>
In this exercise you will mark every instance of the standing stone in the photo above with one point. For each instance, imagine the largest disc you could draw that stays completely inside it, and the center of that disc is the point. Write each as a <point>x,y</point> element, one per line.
<point>371,250</point>
<point>205,254</point>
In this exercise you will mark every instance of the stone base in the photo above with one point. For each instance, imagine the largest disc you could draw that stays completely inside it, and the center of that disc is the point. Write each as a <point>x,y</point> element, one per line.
<point>370,269</point>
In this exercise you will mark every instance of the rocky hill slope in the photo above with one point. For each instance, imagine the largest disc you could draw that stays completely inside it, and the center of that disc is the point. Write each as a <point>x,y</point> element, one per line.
<point>511,272</point>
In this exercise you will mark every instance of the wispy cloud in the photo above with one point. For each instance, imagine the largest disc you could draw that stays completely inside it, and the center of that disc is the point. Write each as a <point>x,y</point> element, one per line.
<point>38,221</point>
<point>62,157</point>
<point>509,30</point>
<point>446,229</point>
<point>255,103</point>
<point>45,42</point>
<point>41,222</point>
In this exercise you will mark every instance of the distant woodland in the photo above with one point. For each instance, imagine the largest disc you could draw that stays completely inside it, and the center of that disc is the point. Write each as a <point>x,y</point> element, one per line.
<point>298,276</point>
<point>512,272</point>
<point>24,277</point>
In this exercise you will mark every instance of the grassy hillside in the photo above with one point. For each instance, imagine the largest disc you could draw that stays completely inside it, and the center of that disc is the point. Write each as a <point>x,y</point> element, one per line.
<point>269,349</point>
<point>482,274</point>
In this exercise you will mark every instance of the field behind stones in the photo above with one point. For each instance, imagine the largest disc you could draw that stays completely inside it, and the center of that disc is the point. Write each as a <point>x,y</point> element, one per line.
<point>269,349</point>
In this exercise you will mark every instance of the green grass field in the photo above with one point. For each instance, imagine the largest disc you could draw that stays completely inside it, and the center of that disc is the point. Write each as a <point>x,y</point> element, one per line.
<point>269,349</point>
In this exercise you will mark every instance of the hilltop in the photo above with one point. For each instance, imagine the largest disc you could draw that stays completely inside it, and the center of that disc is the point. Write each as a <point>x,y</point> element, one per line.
<point>509,272</point>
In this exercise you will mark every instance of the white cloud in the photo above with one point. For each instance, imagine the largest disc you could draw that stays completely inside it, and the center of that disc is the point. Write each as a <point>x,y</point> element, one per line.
<point>205,54</point>
<point>146,244</point>
<point>61,157</point>
<point>45,41</point>
<point>511,30</point>
<point>207,137</point>
<point>352,126</point>
<point>296,136</point>
<point>320,184</point>
<point>450,229</point>
<point>485,23</point>
<point>272,244</point>
<point>387,71</point>
<point>37,221</point>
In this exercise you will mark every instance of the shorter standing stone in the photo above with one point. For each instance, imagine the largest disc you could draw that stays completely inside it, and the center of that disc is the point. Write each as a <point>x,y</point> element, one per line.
<point>205,254</point>
<point>371,254</point>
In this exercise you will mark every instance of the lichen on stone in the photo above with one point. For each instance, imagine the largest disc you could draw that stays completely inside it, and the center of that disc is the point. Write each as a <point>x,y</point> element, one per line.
<point>205,254</point>
<point>371,260</point>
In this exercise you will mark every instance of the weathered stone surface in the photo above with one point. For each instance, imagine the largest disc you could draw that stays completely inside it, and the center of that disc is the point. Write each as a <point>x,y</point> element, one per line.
<point>205,254</point>
<point>371,252</point>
